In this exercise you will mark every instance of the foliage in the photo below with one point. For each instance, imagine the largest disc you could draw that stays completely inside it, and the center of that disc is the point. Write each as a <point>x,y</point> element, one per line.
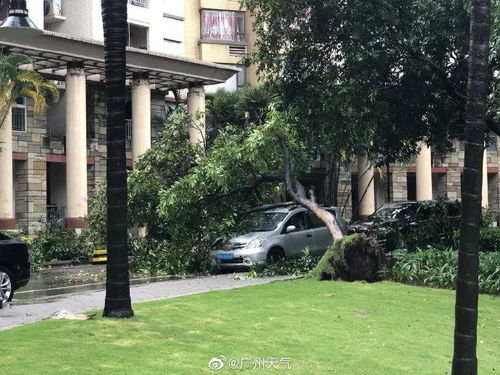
<point>369,74</point>
<point>288,267</point>
<point>153,256</point>
<point>188,198</point>
<point>17,82</point>
<point>354,257</point>
<point>487,218</point>
<point>96,218</point>
<point>54,242</point>
<point>438,268</point>
<point>436,229</point>
<point>318,325</point>
<point>239,108</point>
<point>489,240</point>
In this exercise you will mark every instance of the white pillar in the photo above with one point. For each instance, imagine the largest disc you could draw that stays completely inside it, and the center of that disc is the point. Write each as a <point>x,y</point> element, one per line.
<point>366,187</point>
<point>76,146</point>
<point>424,173</point>
<point>196,107</point>
<point>7,219</point>
<point>141,116</point>
<point>484,192</point>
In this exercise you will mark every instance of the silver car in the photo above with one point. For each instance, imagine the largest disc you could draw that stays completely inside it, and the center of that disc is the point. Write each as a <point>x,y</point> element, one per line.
<point>277,234</point>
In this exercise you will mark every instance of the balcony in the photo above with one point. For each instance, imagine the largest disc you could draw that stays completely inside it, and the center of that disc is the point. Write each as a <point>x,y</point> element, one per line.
<point>139,3</point>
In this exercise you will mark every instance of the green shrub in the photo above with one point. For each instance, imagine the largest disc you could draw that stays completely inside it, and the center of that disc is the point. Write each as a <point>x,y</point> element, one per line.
<point>289,267</point>
<point>97,217</point>
<point>438,268</point>
<point>53,242</point>
<point>354,257</point>
<point>487,218</point>
<point>153,257</point>
<point>489,240</point>
<point>440,220</point>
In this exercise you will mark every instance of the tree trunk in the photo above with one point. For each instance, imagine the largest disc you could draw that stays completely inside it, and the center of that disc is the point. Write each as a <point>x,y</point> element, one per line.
<point>298,194</point>
<point>466,308</point>
<point>118,303</point>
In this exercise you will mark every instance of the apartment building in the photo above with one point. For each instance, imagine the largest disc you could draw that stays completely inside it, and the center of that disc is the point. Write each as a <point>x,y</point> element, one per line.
<point>50,163</point>
<point>216,31</point>
<point>220,31</point>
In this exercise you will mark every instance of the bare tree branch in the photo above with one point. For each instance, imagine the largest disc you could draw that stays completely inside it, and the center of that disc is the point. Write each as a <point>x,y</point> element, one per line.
<point>298,194</point>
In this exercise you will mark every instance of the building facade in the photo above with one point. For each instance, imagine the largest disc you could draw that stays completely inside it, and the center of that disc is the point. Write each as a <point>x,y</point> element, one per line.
<point>429,176</point>
<point>52,180</point>
<point>51,163</point>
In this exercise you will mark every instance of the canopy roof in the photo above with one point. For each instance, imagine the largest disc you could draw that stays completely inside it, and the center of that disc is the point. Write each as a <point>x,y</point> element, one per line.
<point>52,51</point>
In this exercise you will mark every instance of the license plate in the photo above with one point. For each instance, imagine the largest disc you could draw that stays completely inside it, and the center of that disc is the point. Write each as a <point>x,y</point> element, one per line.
<point>227,256</point>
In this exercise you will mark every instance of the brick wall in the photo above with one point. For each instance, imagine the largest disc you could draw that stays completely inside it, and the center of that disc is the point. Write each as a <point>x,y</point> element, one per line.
<point>34,149</point>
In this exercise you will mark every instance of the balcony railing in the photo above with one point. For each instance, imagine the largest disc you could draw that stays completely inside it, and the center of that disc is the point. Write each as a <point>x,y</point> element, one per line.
<point>55,212</point>
<point>128,134</point>
<point>139,3</point>
<point>128,130</point>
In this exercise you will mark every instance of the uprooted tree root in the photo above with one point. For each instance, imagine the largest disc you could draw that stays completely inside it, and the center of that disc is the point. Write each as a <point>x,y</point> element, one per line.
<point>352,258</point>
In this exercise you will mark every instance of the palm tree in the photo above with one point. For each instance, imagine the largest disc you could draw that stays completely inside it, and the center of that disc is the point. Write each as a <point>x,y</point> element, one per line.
<point>16,83</point>
<point>118,303</point>
<point>466,311</point>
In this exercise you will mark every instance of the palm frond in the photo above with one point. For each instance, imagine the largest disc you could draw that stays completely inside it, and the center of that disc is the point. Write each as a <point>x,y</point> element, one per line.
<point>16,82</point>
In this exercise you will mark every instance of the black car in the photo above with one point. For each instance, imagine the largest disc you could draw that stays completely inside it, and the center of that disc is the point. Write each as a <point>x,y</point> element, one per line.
<point>399,224</point>
<point>14,266</point>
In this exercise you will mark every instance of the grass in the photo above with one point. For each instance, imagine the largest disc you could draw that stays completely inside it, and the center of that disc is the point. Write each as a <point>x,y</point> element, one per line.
<point>324,327</point>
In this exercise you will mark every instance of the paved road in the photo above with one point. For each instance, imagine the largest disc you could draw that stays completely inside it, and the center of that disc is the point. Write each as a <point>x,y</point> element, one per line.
<point>14,315</point>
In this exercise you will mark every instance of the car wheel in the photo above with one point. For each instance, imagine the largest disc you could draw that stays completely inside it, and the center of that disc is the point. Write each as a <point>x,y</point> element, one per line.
<point>6,285</point>
<point>276,254</point>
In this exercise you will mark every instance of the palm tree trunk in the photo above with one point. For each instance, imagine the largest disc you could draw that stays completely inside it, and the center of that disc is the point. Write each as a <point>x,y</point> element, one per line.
<point>466,309</point>
<point>118,303</point>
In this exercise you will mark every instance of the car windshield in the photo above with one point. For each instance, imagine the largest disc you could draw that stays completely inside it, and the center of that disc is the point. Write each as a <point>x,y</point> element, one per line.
<point>388,212</point>
<point>262,222</point>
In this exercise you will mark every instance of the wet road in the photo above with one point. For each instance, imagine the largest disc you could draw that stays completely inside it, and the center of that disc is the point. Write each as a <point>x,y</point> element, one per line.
<point>47,285</point>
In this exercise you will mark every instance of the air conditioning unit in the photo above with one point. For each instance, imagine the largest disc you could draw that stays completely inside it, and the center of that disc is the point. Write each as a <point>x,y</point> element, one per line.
<point>52,10</point>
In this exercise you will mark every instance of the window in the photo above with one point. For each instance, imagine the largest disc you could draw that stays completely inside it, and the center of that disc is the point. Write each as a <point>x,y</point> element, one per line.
<point>222,25</point>
<point>137,36</point>
<point>315,221</point>
<point>19,115</point>
<point>298,220</point>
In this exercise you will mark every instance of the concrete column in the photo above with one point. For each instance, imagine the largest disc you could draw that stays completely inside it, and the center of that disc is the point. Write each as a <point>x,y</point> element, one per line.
<point>196,107</point>
<point>424,173</point>
<point>141,116</point>
<point>366,187</point>
<point>484,192</point>
<point>7,218</point>
<point>76,146</point>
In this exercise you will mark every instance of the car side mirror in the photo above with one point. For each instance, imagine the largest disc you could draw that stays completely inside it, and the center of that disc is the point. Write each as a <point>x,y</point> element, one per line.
<point>291,228</point>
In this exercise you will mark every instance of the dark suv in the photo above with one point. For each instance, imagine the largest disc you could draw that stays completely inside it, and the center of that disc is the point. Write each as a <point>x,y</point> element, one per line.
<point>14,266</point>
<point>408,223</point>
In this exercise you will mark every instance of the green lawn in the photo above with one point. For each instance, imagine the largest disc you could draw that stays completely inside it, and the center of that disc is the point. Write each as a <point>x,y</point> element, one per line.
<point>324,327</point>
